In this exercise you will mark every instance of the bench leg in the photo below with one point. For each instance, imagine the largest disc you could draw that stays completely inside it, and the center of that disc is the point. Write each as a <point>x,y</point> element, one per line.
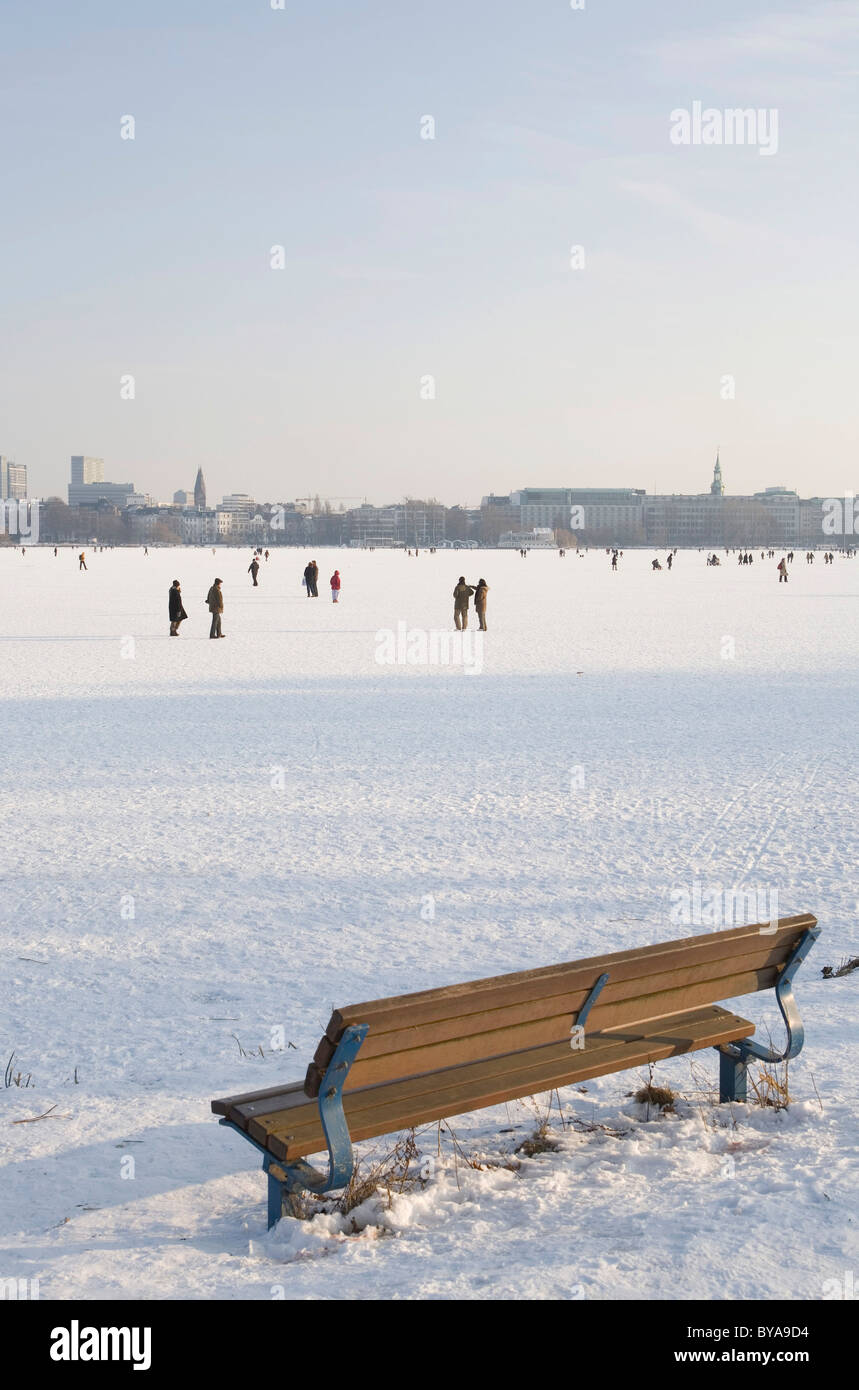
<point>732,1077</point>
<point>275,1200</point>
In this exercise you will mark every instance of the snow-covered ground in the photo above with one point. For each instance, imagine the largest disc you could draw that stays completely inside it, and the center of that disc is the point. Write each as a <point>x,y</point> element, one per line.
<point>207,843</point>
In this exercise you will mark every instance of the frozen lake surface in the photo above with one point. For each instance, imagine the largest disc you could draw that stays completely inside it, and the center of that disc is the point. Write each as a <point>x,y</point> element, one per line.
<point>205,844</point>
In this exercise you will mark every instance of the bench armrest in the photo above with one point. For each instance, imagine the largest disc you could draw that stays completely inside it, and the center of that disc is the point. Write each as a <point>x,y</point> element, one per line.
<point>789,1011</point>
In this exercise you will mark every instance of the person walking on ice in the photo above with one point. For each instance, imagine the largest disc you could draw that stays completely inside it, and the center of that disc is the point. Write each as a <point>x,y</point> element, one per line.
<point>215,604</point>
<point>480,603</point>
<point>175,608</point>
<point>253,570</point>
<point>311,574</point>
<point>335,587</point>
<point>782,570</point>
<point>82,561</point>
<point>461,594</point>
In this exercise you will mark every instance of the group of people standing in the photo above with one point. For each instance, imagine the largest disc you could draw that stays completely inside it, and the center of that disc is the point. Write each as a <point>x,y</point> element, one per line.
<point>214,599</point>
<point>311,582</point>
<point>461,595</point>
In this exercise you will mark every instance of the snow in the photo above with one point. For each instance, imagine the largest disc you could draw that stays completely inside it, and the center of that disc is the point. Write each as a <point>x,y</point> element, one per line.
<point>207,844</point>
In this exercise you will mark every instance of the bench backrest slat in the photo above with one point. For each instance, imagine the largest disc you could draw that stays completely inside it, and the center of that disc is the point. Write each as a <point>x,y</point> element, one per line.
<point>416,1033</point>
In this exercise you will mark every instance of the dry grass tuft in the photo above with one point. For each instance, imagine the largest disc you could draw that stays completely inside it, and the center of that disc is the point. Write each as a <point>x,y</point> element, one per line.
<point>660,1097</point>
<point>769,1087</point>
<point>401,1169</point>
<point>16,1078</point>
<point>539,1141</point>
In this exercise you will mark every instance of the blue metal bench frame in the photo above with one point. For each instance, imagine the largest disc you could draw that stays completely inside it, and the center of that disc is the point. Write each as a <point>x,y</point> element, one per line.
<point>734,1058</point>
<point>286,1178</point>
<point>297,1174</point>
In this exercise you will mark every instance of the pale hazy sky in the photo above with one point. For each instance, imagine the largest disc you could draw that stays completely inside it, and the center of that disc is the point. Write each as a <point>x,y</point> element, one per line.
<point>408,257</point>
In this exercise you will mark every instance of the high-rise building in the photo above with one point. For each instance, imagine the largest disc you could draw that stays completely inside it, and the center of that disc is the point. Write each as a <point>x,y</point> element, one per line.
<point>86,469</point>
<point>200,490</point>
<point>13,478</point>
<point>182,498</point>
<point>91,494</point>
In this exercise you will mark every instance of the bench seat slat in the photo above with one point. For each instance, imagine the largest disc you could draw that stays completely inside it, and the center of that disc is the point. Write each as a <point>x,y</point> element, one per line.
<point>605,1046</point>
<point>383,1109</point>
<point>229,1106</point>
<point>506,1039</point>
<point>266,1104</point>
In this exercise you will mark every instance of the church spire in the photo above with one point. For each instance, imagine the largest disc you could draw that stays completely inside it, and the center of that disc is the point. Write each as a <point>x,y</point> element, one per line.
<point>200,490</point>
<point>717,487</point>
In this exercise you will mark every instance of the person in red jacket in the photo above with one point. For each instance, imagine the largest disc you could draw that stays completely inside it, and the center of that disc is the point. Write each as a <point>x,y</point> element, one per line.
<point>335,587</point>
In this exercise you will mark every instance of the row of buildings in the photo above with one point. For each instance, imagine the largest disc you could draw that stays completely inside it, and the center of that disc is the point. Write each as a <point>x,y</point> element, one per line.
<point>528,518</point>
<point>631,516</point>
<point>113,511</point>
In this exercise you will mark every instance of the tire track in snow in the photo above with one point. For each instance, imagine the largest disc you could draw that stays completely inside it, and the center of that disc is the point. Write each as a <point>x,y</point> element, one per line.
<point>741,798</point>
<point>787,800</point>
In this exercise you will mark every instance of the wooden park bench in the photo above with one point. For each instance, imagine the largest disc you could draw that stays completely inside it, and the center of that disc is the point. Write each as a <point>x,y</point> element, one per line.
<point>392,1064</point>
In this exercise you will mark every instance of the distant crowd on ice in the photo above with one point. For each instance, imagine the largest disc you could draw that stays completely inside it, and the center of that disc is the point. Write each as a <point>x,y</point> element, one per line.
<point>462,593</point>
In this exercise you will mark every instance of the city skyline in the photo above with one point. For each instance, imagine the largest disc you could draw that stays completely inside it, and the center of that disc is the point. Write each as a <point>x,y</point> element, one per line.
<point>90,470</point>
<point>301,247</point>
<point>526,517</point>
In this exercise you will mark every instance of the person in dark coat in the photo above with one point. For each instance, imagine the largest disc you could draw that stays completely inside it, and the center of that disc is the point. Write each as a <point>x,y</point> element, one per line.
<point>461,594</point>
<point>215,604</point>
<point>253,570</point>
<point>314,578</point>
<point>175,608</point>
<point>480,602</point>
<point>308,578</point>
